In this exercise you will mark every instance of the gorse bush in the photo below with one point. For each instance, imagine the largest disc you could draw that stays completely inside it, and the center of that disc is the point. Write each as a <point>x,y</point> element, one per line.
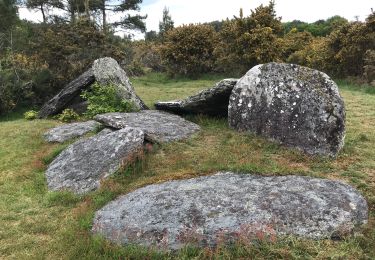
<point>105,99</point>
<point>68,115</point>
<point>30,115</point>
<point>247,41</point>
<point>188,50</point>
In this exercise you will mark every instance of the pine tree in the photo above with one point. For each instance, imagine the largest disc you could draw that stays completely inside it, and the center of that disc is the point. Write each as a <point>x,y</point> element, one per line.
<point>44,6</point>
<point>167,23</point>
<point>127,22</point>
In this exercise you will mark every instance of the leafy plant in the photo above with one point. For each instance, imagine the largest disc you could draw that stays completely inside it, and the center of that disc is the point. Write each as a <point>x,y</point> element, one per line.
<point>104,99</point>
<point>68,115</point>
<point>188,50</point>
<point>30,115</point>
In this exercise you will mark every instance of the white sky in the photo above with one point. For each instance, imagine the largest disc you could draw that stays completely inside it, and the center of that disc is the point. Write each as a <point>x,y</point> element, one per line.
<point>195,11</point>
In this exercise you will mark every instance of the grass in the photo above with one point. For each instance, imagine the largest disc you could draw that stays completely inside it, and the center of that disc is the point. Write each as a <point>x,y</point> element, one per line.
<point>35,223</point>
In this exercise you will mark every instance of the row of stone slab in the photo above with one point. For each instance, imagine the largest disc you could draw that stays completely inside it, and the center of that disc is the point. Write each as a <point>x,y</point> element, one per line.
<point>290,104</point>
<point>84,164</point>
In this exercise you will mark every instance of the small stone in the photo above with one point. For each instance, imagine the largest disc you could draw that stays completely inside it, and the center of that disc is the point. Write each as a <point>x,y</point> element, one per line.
<point>67,132</point>
<point>158,126</point>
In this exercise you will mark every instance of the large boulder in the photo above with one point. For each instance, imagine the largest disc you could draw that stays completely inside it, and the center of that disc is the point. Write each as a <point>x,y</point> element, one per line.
<point>226,207</point>
<point>159,127</point>
<point>213,101</point>
<point>294,105</point>
<point>82,166</point>
<point>67,132</point>
<point>104,71</point>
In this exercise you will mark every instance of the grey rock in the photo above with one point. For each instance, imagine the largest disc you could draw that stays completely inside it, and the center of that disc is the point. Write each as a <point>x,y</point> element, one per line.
<point>106,131</point>
<point>231,206</point>
<point>291,104</point>
<point>82,166</point>
<point>107,70</point>
<point>66,132</point>
<point>64,99</point>
<point>104,70</point>
<point>213,101</point>
<point>158,126</point>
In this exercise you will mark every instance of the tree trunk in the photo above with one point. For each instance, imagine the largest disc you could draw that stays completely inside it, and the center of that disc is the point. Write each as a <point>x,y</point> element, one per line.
<point>104,17</point>
<point>87,8</point>
<point>43,14</point>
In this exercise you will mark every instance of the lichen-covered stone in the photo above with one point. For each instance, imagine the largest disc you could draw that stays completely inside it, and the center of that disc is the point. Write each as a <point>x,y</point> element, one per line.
<point>66,132</point>
<point>104,71</point>
<point>81,166</point>
<point>213,101</point>
<point>229,206</point>
<point>294,105</point>
<point>158,126</point>
<point>107,70</point>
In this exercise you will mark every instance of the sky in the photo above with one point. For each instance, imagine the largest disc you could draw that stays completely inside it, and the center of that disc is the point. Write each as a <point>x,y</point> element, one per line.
<point>199,11</point>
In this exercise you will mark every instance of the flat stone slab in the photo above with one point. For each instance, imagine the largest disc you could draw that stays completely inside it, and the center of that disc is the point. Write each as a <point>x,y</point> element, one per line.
<point>213,101</point>
<point>67,132</point>
<point>293,105</point>
<point>158,126</point>
<point>232,206</point>
<point>81,166</point>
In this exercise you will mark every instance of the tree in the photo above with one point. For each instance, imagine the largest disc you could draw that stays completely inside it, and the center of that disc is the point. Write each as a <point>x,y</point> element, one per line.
<point>151,36</point>
<point>44,6</point>
<point>8,14</point>
<point>167,23</point>
<point>127,22</point>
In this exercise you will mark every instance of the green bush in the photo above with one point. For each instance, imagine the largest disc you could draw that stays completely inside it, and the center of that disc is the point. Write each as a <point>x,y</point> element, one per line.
<point>30,115</point>
<point>68,115</point>
<point>188,50</point>
<point>104,99</point>
<point>247,41</point>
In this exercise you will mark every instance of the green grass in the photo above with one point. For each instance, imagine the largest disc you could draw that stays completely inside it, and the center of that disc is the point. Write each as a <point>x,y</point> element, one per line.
<point>35,223</point>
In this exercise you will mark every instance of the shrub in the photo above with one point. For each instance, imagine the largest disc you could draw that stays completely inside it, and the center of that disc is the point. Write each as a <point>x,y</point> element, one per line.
<point>148,54</point>
<point>369,68</point>
<point>317,55</point>
<point>135,69</point>
<point>68,115</point>
<point>30,115</point>
<point>104,99</point>
<point>294,41</point>
<point>188,50</point>
<point>248,41</point>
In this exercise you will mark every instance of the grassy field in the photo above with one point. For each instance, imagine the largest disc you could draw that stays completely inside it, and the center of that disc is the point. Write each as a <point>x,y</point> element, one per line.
<point>38,224</point>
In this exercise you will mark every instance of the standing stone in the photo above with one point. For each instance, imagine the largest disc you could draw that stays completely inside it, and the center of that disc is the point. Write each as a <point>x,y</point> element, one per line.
<point>294,105</point>
<point>159,127</point>
<point>107,70</point>
<point>227,207</point>
<point>104,71</point>
<point>67,132</point>
<point>82,166</point>
<point>213,101</point>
